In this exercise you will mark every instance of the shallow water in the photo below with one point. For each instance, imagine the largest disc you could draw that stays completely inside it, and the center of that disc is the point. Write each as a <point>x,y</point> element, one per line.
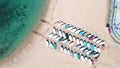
<point>115,19</point>
<point>116,23</point>
<point>17,18</point>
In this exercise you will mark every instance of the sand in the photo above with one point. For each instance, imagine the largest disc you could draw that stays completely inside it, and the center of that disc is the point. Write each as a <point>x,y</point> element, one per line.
<point>88,14</point>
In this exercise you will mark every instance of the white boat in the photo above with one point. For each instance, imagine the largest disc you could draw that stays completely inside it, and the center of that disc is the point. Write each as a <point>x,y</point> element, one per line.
<point>82,58</point>
<point>65,41</point>
<point>86,59</point>
<point>82,48</point>
<point>71,44</point>
<point>102,42</point>
<point>65,50</point>
<point>96,55</point>
<point>60,32</point>
<point>99,50</point>
<point>62,49</point>
<point>90,61</point>
<point>89,52</point>
<point>95,49</point>
<point>55,30</point>
<point>85,50</point>
<point>64,34</point>
<point>75,55</point>
<point>47,43</point>
<point>78,47</point>
<point>55,36</point>
<point>51,45</point>
<point>88,35</point>
<point>88,44</point>
<point>71,53</point>
<point>61,23</point>
<point>74,38</point>
<point>56,39</point>
<point>98,41</point>
<point>51,35</point>
<point>77,31</point>
<point>74,30</point>
<point>81,42</point>
<point>95,39</point>
<point>68,51</point>
<point>78,40</point>
<point>70,37</point>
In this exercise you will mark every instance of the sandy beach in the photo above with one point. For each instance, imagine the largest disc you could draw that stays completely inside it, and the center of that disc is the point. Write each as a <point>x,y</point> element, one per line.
<point>91,15</point>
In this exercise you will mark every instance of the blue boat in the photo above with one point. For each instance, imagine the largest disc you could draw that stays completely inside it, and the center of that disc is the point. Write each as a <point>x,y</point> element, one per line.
<point>92,46</point>
<point>85,43</point>
<point>67,26</point>
<point>81,33</point>
<point>78,55</point>
<point>54,45</point>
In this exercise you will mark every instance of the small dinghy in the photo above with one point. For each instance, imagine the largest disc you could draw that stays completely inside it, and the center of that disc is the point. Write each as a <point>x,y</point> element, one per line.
<point>74,30</point>
<point>98,41</point>
<point>71,53</point>
<point>78,56</point>
<point>60,32</point>
<point>65,50</point>
<point>71,44</point>
<point>64,35</point>
<point>81,42</point>
<point>55,31</point>
<point>96,55</point>
<point>85,43</point>
<point>71,27</point>
<point>88,36</point>
<point>90,61</point>
<point>77,31</point>
<point>95,39</point>
<point>70,37</point>
<point>75,55</point>
<point>51,35</point>
<point>67,26</point>
<point>82,58</point>
<point>68,51</point>
<point>61,23</point>
<point>78,40</point>
<point>81,32</point>
<point>78,47</point>
<point>74,38</point>
<point>92,46</point>
<point>47,42</point>
<point>51,45</point>
<point>62,49</point>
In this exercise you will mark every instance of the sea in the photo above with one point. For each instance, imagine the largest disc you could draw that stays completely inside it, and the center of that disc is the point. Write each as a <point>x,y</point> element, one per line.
<point>17,19</point>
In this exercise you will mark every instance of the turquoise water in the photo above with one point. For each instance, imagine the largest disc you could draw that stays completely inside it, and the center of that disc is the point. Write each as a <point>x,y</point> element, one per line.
<point>17,18</point>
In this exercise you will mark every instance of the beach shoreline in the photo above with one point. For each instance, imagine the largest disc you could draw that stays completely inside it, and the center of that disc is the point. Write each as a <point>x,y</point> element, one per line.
<point>40,56</point>
<point>25,43</point>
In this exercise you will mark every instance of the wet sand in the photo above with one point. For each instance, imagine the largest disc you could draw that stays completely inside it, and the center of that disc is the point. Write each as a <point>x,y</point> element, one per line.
<point>88,14</point>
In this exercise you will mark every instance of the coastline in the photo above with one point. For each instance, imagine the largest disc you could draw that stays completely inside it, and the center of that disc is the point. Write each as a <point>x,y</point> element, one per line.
<point>18,50</point>
<point>24,45</point>
<point>39,56</point>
